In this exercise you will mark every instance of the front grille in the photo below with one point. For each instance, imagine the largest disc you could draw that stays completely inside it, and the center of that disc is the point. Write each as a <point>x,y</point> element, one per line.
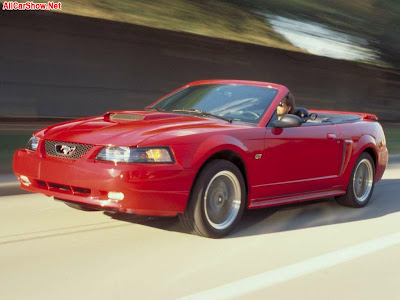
<point>74,190</point>
<point>58,149</point>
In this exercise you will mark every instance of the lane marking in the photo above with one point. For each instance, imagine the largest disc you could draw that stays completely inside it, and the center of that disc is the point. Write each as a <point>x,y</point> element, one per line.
<point>8,184</point>
<point>264,280</point>
<point>17,238</point>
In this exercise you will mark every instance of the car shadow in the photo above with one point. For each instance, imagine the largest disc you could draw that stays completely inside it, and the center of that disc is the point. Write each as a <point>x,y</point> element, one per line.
<point>163,223</point>
<point>385,200</point>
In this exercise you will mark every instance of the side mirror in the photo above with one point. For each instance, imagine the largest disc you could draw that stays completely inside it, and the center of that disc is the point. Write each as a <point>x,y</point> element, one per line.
<point>288,121</point>
<point>313,116</point>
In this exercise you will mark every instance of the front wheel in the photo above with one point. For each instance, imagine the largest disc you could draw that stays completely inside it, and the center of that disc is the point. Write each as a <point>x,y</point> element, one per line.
<point>361,183</point>
<point>217,200</point>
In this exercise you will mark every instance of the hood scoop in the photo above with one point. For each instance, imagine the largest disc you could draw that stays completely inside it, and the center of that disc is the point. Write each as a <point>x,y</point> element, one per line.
<point>126,116</point>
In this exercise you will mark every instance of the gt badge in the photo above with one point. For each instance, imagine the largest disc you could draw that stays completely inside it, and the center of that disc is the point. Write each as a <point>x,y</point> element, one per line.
<point>64,149</point>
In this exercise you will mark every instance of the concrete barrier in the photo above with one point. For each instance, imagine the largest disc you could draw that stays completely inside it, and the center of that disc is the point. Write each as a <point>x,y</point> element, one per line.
<point>61,65</point>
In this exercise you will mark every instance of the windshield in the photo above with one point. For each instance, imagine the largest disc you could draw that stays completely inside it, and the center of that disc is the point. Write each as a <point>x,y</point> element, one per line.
<point>243,103</point>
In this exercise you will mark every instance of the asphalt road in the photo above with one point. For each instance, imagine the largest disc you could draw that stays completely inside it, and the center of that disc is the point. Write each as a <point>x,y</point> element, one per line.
<point>317,250</point>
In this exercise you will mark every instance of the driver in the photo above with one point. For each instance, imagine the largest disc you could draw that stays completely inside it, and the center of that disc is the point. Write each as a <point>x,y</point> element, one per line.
<point>285,106</point>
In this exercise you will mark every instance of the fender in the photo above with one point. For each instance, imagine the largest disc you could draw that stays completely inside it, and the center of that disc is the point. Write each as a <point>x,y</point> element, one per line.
<point>216,144</point>
<point>366,141</point>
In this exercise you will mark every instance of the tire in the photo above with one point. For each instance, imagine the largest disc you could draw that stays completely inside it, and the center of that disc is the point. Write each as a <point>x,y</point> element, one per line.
<point>217,200</point>
<point>361,183</point>
<point>79,206</point>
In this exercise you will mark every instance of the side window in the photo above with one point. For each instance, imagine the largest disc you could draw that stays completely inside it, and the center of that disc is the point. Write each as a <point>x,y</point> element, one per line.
<point>273,119</point>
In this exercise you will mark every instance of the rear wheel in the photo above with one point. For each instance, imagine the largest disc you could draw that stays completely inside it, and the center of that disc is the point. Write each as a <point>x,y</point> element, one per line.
<point>217,200</point>
<point>361,183</point>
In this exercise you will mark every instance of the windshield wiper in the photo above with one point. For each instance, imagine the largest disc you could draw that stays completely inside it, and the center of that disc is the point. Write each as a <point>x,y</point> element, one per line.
<point>203,113</point>
<point>154,108</point>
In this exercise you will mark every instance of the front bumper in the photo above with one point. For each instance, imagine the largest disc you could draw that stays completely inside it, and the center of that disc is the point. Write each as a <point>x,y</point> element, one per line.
<point>154,190</point>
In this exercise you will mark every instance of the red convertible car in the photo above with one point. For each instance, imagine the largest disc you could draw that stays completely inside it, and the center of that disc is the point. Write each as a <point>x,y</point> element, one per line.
<point>206,152</point>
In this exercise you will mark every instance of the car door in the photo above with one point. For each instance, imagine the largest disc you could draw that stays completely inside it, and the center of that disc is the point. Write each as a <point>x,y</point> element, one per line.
<point>299,160</point>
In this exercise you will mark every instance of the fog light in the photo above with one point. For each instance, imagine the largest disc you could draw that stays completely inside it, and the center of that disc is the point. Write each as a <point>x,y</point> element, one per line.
<point>25,180</point>
<point>116,196</point>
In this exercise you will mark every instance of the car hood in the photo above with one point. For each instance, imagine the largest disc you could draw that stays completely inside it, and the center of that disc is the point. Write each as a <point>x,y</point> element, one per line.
<point>127,128</point>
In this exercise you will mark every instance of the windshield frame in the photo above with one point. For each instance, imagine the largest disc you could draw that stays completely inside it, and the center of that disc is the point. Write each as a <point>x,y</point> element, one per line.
<point>262,119</point>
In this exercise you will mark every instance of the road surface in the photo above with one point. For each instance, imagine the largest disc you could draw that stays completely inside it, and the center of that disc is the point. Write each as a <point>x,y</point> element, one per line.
<point>317,250</point>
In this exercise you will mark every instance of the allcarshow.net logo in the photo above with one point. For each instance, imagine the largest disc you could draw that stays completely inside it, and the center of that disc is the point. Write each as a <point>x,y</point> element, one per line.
<point>29,5</point>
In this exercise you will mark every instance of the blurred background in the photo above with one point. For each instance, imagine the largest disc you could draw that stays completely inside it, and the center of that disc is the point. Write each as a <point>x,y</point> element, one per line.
<point>94,56</point>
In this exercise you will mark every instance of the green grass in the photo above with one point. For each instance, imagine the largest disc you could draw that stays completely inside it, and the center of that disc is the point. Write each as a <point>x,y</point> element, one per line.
<point>393,138</point>
<point>9,142</point>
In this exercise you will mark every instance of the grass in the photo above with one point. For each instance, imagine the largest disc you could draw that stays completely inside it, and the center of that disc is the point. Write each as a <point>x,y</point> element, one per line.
<point>9,142</point>
<point>209,18</point>
<point>392,133</point>
<point>15,136</point>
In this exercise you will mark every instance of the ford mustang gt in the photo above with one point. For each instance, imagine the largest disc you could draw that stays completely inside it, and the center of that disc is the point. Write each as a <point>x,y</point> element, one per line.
<point>206,152</point>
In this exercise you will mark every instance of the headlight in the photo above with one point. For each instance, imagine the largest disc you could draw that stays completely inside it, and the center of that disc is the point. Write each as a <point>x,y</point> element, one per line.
<point>33,143</point>
<point>135,155</point>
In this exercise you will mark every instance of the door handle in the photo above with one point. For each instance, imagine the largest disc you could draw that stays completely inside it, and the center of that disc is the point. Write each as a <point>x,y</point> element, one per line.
<point>331,136</point>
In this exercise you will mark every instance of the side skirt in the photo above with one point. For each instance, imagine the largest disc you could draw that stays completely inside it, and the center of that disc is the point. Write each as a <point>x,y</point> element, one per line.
<point>274,201</point>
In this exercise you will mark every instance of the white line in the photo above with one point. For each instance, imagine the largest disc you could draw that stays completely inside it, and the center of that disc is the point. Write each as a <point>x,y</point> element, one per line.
<point>264,280</point>
<point>393,166</point>
<point>9,184</point>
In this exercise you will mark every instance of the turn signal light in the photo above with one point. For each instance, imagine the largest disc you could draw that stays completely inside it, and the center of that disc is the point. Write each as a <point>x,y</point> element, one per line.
<point>25,180</point>
<point>116,196</point>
